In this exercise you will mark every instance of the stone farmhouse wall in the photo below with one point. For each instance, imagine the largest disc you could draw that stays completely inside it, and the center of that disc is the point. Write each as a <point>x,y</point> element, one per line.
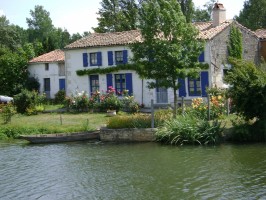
<point>218,52</point>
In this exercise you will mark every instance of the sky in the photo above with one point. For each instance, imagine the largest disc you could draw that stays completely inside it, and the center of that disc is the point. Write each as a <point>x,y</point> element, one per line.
<point>79,15</point>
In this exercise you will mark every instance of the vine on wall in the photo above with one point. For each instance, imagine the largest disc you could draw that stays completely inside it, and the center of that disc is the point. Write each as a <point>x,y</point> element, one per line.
<point>106,70</point>
<point>235,47</point>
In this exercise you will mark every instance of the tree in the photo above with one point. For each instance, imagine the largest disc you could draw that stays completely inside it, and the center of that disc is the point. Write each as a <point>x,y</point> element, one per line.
<point>129,10</point>
<point>13,71</point>
<point>40,24</point>
<point>247,91</point>
<point>253,15</point>
<point>235,43</point>
<point>201,15</point>
<point>9,37</point>
<point>187,8</point>
<point>204,15</point>
<point>75,37</point>
<point>170,48</point>
<point>117,15</point>
<point>209,6</point>
<point>110,17</point>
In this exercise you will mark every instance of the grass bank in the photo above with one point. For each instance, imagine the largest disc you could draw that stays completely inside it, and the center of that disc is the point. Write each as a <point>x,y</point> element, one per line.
<point>46,123</point>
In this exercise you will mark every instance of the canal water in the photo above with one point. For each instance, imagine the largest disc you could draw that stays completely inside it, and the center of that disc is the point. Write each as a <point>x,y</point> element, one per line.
<point>131,171</point>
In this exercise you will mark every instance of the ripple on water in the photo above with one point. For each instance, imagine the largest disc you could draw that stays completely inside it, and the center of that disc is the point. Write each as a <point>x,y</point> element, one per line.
<point>132,171</point>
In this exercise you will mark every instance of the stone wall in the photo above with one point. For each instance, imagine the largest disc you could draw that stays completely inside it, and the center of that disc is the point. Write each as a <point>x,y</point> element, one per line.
<point>128,135</point>
<point>219,51</point>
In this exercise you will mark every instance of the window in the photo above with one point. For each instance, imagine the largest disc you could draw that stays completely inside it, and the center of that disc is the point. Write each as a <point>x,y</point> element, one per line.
<point>194,87</point>
<point>62,84</point>
<point>61,69</point>
<point>119,57</point>
<point>226,68</point>
<point>93,59</point>
<point>94,83</point>
<point>120,83</point>
<point>47,85</point>
<point>46,66</point>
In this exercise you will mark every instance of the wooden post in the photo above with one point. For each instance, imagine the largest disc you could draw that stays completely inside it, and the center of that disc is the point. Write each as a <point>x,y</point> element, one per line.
<point>228,106</point>
<point>152,114</point>
<point>182,104</point>
<point>209,107</point>
<point>61,121</point>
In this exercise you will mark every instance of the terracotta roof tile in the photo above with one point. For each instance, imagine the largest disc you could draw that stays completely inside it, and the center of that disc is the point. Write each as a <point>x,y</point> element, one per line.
<point>207,32</point>
<point>261,33</point>
<point>107,39</point>
<point>53,56</point>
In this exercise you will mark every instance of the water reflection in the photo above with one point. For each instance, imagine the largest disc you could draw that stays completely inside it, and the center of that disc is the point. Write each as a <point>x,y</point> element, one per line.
<point>131,171</point>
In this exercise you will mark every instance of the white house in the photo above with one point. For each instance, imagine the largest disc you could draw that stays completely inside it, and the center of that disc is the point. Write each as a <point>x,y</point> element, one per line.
<point>105,50</point>
<point>58,70</point>
<point>49,69</point>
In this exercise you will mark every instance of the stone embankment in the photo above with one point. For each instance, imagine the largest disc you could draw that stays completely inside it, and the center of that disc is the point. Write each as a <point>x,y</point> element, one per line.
<point>128,135</point>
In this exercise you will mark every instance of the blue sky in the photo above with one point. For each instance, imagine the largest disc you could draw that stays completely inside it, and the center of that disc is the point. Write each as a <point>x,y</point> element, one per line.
<point>79,15</point>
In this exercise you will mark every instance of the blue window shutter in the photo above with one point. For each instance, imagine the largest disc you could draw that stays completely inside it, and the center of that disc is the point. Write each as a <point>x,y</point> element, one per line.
<point>109,80</point>
<point>85,60</point>
<point>124,56</point>
<point>62,84</point>
<point>182,89</point>
<point>129,83</point>
<point>204,77</point>
<point>110,58</point>
<point>201,57</point>
<point>99,58</point>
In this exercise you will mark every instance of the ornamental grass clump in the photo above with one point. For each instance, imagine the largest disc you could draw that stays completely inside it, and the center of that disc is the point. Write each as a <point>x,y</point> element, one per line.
<point>132,121</point>
<point>188,129</point>
<point>139,120</point>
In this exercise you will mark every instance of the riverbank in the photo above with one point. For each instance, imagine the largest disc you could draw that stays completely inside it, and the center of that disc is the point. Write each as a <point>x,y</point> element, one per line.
<point>47,123</point>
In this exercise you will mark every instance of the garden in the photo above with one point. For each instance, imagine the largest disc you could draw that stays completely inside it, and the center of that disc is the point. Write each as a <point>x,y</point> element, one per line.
<point>29,115</point>
<point>202,122</point>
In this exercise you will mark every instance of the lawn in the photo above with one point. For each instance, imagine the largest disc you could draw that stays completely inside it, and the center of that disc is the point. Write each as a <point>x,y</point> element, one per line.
<point>45,123</point>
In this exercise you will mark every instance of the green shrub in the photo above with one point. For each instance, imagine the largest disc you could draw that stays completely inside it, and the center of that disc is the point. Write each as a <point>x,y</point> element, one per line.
<point>60,97</point>
<point>188,129</point>
<point>8,132</point>
<point>129,104</point>
<point>246,131</point>
<point>27,100</point>
<point>7,111</point>
<point>78,102</point>
<point>109,101</point>
<point>248,89</point>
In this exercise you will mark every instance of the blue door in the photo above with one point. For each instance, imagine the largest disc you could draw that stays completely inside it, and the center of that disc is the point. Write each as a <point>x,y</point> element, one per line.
<point>62,84</point>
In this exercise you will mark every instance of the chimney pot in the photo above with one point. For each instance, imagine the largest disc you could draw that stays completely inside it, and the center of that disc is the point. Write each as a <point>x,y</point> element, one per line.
<point>218,14</point>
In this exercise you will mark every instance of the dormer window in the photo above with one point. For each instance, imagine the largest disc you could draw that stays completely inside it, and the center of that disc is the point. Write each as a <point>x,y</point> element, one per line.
<point>46,66</point>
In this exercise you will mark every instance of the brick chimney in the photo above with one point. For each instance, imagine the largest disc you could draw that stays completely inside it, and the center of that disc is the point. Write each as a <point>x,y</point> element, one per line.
<point>218,14</point>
